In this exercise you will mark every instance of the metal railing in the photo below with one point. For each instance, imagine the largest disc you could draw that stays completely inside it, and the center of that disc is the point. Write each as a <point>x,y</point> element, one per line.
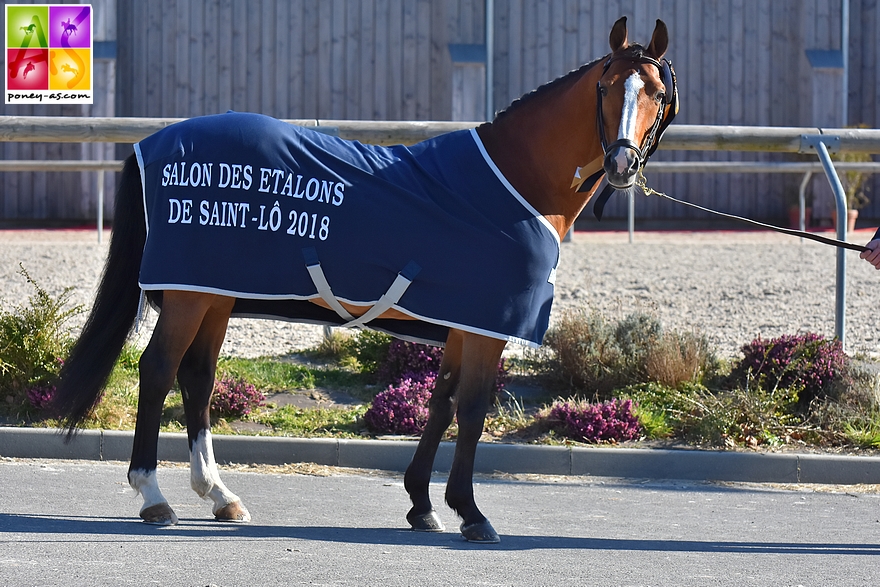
<point>678,137</point>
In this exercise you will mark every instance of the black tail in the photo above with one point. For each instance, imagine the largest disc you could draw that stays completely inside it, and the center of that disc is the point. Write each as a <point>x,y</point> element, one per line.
<point>91,361</point>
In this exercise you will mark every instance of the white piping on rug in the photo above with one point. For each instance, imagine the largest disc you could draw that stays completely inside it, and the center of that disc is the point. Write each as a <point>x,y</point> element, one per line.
<point>142,298</point>
<point>512,189</point>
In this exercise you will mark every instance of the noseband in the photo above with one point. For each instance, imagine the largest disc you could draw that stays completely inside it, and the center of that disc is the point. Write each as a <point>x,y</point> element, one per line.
<point>651,140</point>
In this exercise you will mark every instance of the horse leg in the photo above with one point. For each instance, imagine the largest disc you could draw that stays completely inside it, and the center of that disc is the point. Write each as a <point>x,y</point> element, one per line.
<point>479,368</point>
<point>196,378</point>
<point>178,324</point>
<point>441,409</point>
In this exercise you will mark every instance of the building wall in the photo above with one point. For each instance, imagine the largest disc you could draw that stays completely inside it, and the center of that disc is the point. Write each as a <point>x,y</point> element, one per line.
<point>739,62</point>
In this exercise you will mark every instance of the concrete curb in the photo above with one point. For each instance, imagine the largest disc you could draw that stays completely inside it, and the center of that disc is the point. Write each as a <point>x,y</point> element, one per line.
<point>394,455</point>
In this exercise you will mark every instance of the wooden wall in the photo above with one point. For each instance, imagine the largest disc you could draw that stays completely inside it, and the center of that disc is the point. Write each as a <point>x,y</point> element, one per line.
<point>738,62</point>
<point>350,59</point>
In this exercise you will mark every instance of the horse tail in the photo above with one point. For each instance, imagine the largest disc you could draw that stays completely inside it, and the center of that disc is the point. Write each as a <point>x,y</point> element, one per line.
<point>87,368</point>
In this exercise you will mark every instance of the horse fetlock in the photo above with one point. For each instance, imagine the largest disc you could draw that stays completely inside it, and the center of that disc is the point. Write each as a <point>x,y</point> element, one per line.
<point>155,509</point>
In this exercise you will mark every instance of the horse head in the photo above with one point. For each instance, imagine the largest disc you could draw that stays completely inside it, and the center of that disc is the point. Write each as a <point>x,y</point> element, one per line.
<point>636,100</point>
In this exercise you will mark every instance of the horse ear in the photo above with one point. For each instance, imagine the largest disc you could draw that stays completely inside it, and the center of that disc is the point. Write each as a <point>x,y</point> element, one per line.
<point>618,39</point>
<point>660,40</point>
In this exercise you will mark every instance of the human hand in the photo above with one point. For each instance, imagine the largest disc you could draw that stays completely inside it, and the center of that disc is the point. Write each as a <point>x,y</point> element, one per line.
<point>872,255</point>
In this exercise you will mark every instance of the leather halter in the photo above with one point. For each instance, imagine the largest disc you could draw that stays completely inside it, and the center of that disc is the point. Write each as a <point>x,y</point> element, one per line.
<point>651,140</point>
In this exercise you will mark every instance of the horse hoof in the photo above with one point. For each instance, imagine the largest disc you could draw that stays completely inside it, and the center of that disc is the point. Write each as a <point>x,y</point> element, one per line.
<point>233,512</point>
<point>160,514</point>
<point>480,532</point>
<point>429,522</point>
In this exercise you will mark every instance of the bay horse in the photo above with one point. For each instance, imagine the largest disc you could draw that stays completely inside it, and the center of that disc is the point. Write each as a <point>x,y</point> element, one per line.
<point>550,145</point>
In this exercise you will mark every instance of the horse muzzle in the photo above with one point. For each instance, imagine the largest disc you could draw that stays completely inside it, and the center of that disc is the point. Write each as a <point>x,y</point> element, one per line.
<point>622,161</point>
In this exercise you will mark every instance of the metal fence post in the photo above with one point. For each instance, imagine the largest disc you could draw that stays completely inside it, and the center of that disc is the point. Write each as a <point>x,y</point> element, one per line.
<point>100,206</point>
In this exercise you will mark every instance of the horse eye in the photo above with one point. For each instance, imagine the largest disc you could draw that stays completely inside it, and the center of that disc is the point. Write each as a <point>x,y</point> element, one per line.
<point>660,96</point>
<point>604,91</point>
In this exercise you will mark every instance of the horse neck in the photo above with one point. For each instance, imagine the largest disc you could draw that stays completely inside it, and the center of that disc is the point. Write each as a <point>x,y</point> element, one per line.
<point>539,145</point>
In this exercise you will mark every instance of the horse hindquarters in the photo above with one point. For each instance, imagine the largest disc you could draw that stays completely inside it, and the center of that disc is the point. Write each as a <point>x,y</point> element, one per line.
<point>466,380</point>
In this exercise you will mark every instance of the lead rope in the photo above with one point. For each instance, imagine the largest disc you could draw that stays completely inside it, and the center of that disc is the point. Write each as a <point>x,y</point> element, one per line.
<point>643,184</point>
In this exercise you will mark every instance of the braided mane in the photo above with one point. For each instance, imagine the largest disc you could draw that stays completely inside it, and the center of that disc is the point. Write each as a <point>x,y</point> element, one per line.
<point>635,51</point>
<point>562,81</point>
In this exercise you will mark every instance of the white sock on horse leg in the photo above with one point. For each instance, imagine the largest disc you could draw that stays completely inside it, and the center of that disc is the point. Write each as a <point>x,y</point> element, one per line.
<point>145,484</point>
<point>204,476</point>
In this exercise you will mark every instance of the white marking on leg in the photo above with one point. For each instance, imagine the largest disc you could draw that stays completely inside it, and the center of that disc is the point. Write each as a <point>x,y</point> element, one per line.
<point>204,476</point>
<point>631,88</point>
<point>144,483</point>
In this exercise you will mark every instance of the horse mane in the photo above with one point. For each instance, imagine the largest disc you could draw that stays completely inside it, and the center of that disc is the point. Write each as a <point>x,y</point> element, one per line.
<point>565,80</point>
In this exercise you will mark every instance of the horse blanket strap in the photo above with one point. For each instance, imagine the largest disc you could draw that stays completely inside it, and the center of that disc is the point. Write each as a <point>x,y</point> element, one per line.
<point>142,298</point>
<point>385,303</point>
<point>320,281</point>
<point>232,199</point>
<point>390,297</point>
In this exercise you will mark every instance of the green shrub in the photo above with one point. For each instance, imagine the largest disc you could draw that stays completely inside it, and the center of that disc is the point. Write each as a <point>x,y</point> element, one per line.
<point>34,340</point>
<point>749,416</point>
<point>334,347</point>
<point>676,358</point>
<point>370,349</point>
<point>593,356</point>
<point>362,352</point>
<point>850,414</point>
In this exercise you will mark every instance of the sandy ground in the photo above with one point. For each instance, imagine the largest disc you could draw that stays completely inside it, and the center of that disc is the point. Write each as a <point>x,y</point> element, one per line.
<point>730,286</point>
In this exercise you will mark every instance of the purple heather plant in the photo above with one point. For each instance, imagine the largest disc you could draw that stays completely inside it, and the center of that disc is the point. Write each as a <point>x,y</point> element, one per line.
<point>612,421</point>
<point>805,360</point>
<point>40,395</point>
<point>401,408</point>
<point>411,369</point>
<point>235,397</point>
<point>410,360</point>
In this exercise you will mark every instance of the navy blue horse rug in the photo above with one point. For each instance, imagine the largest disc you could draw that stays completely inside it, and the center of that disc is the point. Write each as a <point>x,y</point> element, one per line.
<point>276,215</point>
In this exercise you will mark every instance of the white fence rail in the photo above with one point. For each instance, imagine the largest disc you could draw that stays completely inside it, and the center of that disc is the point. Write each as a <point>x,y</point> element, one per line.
<point>64,129</point>
<point>678,137</point>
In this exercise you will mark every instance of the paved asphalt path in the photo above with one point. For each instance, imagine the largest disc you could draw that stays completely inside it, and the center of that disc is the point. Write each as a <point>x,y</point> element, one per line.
<point>74,523</point>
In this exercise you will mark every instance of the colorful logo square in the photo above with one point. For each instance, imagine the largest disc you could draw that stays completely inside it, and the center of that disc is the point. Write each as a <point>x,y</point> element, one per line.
<point>49,54</point>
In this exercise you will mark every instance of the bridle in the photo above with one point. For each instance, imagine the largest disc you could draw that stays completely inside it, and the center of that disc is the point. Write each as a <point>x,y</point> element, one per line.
<point>651,139</point>
<point>649,145</point>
